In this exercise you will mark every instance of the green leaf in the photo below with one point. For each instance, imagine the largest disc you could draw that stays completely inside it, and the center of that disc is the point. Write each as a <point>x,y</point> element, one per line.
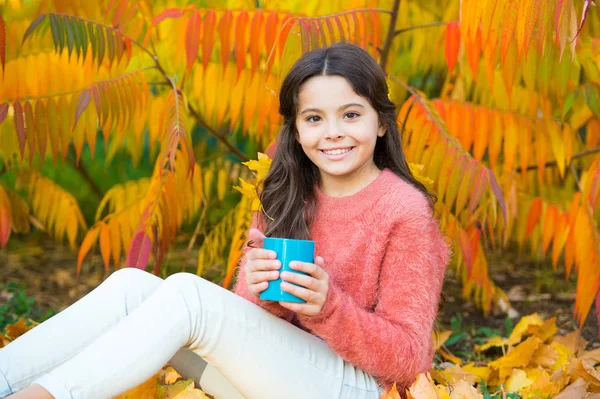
<point>101,47</point>
<point>92,35</point>
<point>76,36</point>
<point>56,31</point>
<point>110,40</point>
<point>568,104</point>
<point>590,92</point>
<point>33,26</point>
<point>70,34</point>
<point>83,37</point>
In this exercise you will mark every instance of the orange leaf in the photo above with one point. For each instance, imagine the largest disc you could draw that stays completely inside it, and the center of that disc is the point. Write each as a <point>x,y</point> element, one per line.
<point>452,44</point>
<point>2,43</point>
<point>549,224</point>
<point>115,240</point>
<point>41,126</point>
<point>192,39</point>
<point>14,331</point>
<point>271,29</point>
<point>240,40</point>
<point>208,39</point>
<point>19,120</point>
<point>255,40</point>
<point>4,224</point>
<point>509,21</point>
<point>105,244</point>
<point>86,245</point>
<point>225,36</point>
<point>533,216</point>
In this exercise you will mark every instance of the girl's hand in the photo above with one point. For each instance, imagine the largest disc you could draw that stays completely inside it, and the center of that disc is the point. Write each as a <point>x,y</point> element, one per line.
<point>261,264</point>
<point>314,287</point>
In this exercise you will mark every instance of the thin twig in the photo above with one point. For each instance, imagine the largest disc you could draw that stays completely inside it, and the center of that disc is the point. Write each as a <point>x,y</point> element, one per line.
<point>390,35</point>
<point>86,176</point>
<point>431,25</point>
<point>576,177</point>
<point>198,225</point>
<point>581,154</point>
<point>218,135</point>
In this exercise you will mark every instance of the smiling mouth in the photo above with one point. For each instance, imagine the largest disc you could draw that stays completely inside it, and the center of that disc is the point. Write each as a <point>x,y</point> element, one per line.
<point>337,151</point>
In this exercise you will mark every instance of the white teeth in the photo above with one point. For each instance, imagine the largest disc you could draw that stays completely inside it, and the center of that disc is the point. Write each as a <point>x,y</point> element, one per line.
<point>337,152</point>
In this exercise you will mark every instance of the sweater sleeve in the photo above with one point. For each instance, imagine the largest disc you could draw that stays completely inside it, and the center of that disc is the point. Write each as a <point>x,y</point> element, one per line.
<point>392,342</point>
<point>241,288</point>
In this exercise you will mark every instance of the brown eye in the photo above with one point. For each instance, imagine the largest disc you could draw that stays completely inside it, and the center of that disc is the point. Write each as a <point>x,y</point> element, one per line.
<point>311,120</point>
<point>354,115</point>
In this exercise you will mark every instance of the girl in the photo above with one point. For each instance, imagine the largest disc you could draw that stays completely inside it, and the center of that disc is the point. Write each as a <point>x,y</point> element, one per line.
<point>339,177</point>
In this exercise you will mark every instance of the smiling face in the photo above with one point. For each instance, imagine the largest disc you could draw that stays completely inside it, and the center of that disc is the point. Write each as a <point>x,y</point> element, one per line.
<point>338,130</point>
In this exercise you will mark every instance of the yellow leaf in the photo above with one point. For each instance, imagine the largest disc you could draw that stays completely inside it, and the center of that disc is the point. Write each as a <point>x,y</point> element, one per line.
<point>464,390</point>
<point>105,244</point>
<point>520,356</point>
<point>180,390</point>
<point>573,341</point>
<point>440,337</point>
<point>260,166</point>
<point>423,387</point>
<point>482,373</point>
<point>145,390</point>
<point>517,381</point>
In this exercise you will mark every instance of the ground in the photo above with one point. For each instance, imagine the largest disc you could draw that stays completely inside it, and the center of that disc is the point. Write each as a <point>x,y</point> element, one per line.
<point>47,272</point>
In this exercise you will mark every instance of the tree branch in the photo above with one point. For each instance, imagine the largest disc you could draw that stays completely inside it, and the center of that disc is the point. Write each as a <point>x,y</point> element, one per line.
<point>390,35</point>
<point>86,176</point>
<point>431,25</point>
<point>220,136</point>
<point>581,154</point>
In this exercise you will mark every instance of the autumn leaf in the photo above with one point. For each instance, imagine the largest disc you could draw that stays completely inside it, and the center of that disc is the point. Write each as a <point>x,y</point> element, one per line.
<point>15,330</point>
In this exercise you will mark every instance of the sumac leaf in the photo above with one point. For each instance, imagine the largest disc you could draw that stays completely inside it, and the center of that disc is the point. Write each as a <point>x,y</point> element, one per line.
<point>139,251</point>
<point>3,112</point>
<point>82,103</point>
<point>36,22</point>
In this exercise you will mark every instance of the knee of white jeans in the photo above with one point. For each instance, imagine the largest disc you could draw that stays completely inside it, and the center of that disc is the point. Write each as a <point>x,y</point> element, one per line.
<point>134,284</point>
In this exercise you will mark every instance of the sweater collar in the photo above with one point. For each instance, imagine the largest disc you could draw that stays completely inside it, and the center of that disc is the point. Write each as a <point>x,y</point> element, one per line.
<point>355,204</point>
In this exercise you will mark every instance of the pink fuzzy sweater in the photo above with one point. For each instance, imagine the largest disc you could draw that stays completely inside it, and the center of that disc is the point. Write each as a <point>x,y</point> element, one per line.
<point>386,258</point>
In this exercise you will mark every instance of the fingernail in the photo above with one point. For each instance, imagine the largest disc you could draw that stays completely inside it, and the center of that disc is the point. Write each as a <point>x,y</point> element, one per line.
<point>277,264</point>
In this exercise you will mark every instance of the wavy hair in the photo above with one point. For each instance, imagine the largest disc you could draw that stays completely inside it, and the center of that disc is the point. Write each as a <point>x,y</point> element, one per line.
<point>287,196</point>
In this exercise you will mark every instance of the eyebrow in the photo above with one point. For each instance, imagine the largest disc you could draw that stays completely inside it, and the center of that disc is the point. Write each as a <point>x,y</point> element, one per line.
<point>339,109</point>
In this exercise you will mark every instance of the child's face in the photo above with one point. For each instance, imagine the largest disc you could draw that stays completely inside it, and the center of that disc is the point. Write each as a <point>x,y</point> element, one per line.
<point>337,129</point>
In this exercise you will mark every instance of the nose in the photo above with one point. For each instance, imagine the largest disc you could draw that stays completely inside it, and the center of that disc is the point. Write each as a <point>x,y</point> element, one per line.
<point>334,131</point>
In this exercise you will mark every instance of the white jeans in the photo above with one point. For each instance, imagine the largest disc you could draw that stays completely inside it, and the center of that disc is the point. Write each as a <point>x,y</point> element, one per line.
<point>125,330</point>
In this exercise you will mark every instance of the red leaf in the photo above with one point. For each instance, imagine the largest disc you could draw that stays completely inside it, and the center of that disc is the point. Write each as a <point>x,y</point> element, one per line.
<point>2,43</point>
<point>192,39</point>
<point>139,251</point>
<point>20,126</point>
<point>304,35</point>
<point>478,188</point>
<point>168,13</point>
<point>4,226</point>
<point>3,112</point>
<point>452,44</point>
<point>82,103</point>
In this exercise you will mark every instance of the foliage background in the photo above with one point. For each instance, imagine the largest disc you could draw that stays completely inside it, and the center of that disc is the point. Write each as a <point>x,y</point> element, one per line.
<point>123,124</point>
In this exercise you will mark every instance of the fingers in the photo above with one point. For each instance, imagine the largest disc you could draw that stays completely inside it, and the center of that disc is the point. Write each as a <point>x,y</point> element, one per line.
<point>310,268</point>
<point>300,279</point>
<point>260,277</point>
<point>259,253</point>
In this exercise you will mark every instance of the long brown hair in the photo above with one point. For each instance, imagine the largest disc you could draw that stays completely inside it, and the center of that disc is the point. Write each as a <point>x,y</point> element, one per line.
<point>287,197</point>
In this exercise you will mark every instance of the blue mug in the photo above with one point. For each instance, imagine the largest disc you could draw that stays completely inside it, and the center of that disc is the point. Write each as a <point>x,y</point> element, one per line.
<point>287,250</point>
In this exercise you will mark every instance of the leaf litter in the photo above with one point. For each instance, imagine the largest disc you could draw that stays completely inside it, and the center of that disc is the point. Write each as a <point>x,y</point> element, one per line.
<point>533,363</point>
